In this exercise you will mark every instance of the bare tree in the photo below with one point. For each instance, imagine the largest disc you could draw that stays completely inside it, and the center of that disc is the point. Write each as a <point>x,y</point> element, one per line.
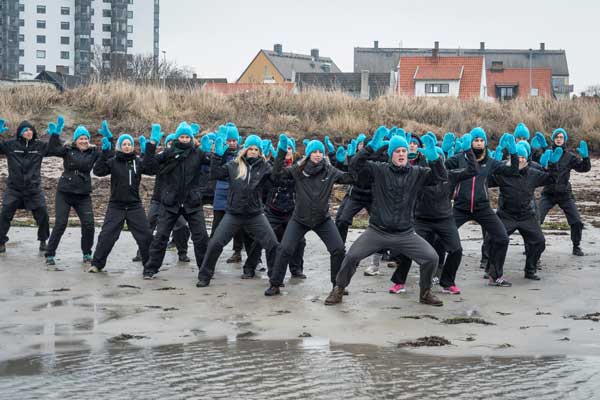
<point>592,90</point>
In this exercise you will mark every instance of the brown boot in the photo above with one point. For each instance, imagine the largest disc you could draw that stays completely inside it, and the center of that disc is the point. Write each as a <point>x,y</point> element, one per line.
<point>426,297</point>
<point>236,257</point>
<point>335,296</point>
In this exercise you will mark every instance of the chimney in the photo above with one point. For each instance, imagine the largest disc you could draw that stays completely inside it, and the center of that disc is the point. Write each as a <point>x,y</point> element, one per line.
<point>542,46</point>
<point>482,46</point>
<point>376,44</point>
<point>435,51</point>
<point>194,76</point>
<point>314,53</point>
<point>364,85</point>
<point>278,48</point>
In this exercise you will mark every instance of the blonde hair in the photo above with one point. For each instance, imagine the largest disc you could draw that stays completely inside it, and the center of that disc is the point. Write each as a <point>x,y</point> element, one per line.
<point>242,167</point>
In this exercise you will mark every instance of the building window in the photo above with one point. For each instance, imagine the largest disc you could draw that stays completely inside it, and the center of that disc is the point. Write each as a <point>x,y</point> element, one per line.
<point>130,14</point>
<point>21,22</point>
<point>65,11</point>
<point>40,54</point>
<point>21,7</point>
<point>65,40</point>
<point>21,53</point>
<point>129,1</point>
<point>106,42</point>
<point>106,13</point>
<point>40,39</point>
<point>41,24</point>
<point>21,68</point>
<point>129,28</point>
<point>506,93</point>
<point>62,69</point>
<point>497,66</point>
<point>105,56</point>
<point>105,27</point>
<point>436,88</point>
<point>41,9</point>
<point>40,68</point>
<point>129,43</point>
<point>21,37</point>
<point>64,55</point>
<point>92,26</point>
<point>65,26</point>
<point>92,41</point>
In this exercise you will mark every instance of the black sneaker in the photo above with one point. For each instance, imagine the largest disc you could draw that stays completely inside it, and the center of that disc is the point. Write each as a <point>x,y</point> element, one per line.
<point>202,283</point>
<point>149,274</point>
<point>577,251</point>
<point>44,246</point>
<point>532,275</point>
<point>500,282</point>
<point>248,275</point>
<point>299,275</point>
<point>184,258</point>
<point>272,291</point>
<point>50,260</point>
<point>2,248</point>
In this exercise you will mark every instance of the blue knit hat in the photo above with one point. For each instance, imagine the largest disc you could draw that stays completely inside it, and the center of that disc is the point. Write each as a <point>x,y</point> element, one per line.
<point>123,138</point>
<point>314,145</point>
<point>80,131</point>
<point>184,129</point>
<point>440,153</point>
<point>395,142</point>
<point>231,132</point>
<point>526,144</point>
<point>478,132</point>
<point>557,131</point>
<point>170,138</point>
<point>521,131</point>
<point>360,138</point>
<point>253,140</point>
<point>292,143</point>
<point>522,150</point>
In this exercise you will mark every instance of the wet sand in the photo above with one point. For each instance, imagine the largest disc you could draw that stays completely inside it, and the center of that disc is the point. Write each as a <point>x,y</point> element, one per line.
<point>46,311</point>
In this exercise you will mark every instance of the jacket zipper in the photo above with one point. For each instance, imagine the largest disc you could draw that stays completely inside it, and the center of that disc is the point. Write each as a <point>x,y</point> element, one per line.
<point>472,193</point>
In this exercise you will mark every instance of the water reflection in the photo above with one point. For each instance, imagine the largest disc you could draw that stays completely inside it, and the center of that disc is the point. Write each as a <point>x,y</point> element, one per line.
<point>311,368</point>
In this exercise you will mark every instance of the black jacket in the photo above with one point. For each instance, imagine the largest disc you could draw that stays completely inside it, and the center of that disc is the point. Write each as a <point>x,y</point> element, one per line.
<point>77,164</point>
<point>517,191</point>
<point>361,190</point>
<point>181,187</point>
<point>125,172</point>
<point>24,159</point>
<point>244,196</point>
<point>312,192</point>
<point>472,195</point>
<point>281,195</point>
<point>435,202</point>
<point>395,190</point>
<point>561,188</point>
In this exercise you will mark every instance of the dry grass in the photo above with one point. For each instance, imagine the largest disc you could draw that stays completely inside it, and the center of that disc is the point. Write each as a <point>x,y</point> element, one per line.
<point>131,108</point>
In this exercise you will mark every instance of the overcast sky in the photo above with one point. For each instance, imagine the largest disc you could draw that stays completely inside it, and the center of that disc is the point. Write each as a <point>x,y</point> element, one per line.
<point>219,38</point>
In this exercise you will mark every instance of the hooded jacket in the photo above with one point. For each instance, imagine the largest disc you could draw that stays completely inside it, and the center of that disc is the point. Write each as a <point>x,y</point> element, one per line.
<point>244,196</point>
<point>472,195</point>
<point>561,188</point>
<point>312,191</point>
<point>181,187</point>
<point>395,190</point>
<point>125,172</point>
<point>77,166</point>
<point>24,159</point>
<point>222,185</point>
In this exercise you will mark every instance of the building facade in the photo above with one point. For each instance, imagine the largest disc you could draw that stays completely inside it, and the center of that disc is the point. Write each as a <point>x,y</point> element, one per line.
<point>73,36</point>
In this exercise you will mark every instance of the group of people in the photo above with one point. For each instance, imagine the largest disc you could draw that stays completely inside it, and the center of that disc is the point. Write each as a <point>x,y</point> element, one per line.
<point>418,191</point>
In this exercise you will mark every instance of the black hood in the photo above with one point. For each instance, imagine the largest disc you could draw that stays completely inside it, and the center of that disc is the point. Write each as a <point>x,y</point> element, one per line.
<point>26,124</point>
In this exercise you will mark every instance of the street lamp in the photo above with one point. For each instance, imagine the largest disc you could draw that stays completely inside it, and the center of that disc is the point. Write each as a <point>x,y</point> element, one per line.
<point>164,68</point>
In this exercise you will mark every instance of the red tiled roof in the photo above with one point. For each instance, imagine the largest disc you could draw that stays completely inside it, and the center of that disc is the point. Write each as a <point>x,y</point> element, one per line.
<point>446,72</point>
<point>233,88</point>
<point>541,79</point>
<point>470,82</point>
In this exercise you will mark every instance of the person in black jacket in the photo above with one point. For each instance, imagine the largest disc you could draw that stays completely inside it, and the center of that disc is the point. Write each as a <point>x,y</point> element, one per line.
<point>471,199</point>
<point>314,179</point>
<point>74,189</point>
<point>391,223</point>
<point>181,195</point>
<point>246,174</point>
<point>24,156</point>
<point>279,202</point>
<point>560,193</point>
<point>515,208</point>
<point>125,170</point>
<point>435,223</point>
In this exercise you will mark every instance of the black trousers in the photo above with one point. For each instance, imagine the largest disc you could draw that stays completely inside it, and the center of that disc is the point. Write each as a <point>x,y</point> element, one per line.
<point>36,203</point>
<point>345,214</point>
<point>279,223</point>
<point>443,234</point>
<point>166,222</point>
<point>494,232</point>
<point>569,208</point>
<point>531,231</point>
<point>82,204</point>
<point>408,243</point>
<point>114,220</point>
<point>257,226</point>
<point>181,232</point>
<point>293,236</point>
<point>241,238</point>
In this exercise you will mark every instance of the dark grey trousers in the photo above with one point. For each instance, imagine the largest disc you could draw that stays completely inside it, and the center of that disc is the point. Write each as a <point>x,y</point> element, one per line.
<point>408,244</point>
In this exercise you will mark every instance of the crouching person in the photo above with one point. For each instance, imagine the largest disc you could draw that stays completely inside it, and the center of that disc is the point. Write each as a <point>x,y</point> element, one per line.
<point>391,223</point>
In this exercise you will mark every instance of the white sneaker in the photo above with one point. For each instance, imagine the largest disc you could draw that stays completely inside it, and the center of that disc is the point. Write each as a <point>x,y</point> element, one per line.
<point>372,270</point>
